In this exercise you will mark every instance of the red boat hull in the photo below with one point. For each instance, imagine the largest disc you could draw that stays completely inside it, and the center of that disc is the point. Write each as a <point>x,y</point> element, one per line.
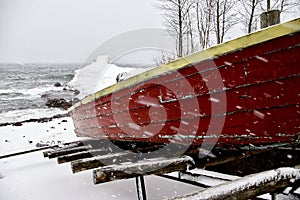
<point>246,96</point>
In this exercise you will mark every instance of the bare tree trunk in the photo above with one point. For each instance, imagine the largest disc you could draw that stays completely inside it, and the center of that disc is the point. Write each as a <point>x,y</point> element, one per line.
<point>218,22</point>
<point>190,28</point>
<point>180,35</point>
<point>208,22</point>
<point>198,24</point>
<point>268,5</point>
<point>175,13</point>
<point>225,18</point>
<point>224,22</point>
<point>253,5</point>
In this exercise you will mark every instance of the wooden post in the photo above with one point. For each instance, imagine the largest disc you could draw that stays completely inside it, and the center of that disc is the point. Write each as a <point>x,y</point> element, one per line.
<point>249,186</point>
<point>61,152</point>
<point>140,187</point>
<point>81,155</point>
<point>98,161</point>
<point>269,18</point>
<point>125,171</point>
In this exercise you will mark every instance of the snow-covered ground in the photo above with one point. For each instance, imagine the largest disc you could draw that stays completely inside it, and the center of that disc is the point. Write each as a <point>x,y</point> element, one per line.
<point>33,177</point>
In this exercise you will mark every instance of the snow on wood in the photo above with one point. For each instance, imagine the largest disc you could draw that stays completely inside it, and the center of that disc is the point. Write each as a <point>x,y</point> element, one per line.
<point>56,153</point>
<point>66,146</point>
<point>213,174</point>
<point>248,186</point>
<point>205,177</point>
<point>97,161</point>
<point>80,155</point>
<point>125,171</point>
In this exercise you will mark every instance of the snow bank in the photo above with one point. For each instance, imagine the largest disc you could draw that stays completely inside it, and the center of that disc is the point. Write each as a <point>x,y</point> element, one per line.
<point>31,176</point>
<point>101,74</point>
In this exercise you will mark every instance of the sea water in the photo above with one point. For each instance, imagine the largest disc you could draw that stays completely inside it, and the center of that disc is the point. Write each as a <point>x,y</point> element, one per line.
<point>22,87</point>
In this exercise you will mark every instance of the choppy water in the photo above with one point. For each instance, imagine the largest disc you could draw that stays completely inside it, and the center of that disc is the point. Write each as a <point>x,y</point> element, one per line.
<point>22,85</point>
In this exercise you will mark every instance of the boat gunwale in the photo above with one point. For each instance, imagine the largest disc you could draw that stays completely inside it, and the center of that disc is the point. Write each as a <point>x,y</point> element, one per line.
<point>263,35</point>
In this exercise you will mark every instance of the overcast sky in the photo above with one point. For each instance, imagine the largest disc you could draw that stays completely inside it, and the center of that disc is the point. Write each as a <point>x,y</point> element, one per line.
<point>67,30</point>
<point>71,30</point>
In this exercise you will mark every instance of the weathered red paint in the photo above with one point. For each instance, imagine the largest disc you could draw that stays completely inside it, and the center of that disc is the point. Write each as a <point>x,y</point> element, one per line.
<point>262,90</point>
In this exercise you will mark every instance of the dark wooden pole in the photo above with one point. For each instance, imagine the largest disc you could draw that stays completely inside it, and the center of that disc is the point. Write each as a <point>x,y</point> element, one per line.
<point>269,18</point>
<point>249,186</point>
<point>141,188</point>
<point>125,171</point>
<point>98,161</point>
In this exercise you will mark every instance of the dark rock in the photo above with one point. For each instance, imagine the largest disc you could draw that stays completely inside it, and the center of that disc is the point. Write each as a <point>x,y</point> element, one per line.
<point>64,120</point>
<point>58,103</point>
<point>17,124</point>
<point>76,92</point>
<point>57,84</point>
<point>45,96</point>
<point>40,120</point>
<point>5,124</point>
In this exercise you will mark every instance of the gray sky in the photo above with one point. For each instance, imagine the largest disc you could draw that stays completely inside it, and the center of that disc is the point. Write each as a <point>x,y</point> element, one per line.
<point>70,30</point>
<point>67,30</point>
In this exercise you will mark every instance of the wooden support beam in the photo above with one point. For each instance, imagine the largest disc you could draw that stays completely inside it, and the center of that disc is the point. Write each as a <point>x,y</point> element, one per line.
<point>249,186</point>
<point>155,166</point>
<point>64,147</point>
<point>69,145</point>
<point>81,155</point>
<point>98,161</point>
<point>141,188</point>
<point>61,152</point>
<point>45,153</point>
<point>223,160</point>
<point>24,152</point>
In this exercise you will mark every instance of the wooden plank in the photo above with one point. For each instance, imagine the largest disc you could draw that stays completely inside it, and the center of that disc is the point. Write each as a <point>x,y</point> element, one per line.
<point>80,155</point>
<point>66,146</point>
<point>61,152</point>
<point>247,187</point>
<point>24,152</point>
<point>98,161</point>
<point>156,166</point>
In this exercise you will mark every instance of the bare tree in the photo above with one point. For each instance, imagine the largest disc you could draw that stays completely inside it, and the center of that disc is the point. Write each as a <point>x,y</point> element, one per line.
<point>225,18</point>
<point>250,10</point>
<point>164,57</point>
<point>175,14</point>
<point>282,5</point>
<point>190,33</point>
<point>204,16</point>
<point>249,14</point>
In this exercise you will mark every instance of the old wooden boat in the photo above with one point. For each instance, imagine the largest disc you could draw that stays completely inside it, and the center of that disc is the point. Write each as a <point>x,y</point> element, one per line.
<point>242,92</point>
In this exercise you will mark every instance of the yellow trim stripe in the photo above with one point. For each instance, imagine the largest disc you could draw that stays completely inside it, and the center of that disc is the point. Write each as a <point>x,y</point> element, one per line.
<point>239,43</point>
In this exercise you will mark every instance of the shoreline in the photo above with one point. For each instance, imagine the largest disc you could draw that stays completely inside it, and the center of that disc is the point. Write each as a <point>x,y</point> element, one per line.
<point>38,120</point>
<point>29,134</point>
